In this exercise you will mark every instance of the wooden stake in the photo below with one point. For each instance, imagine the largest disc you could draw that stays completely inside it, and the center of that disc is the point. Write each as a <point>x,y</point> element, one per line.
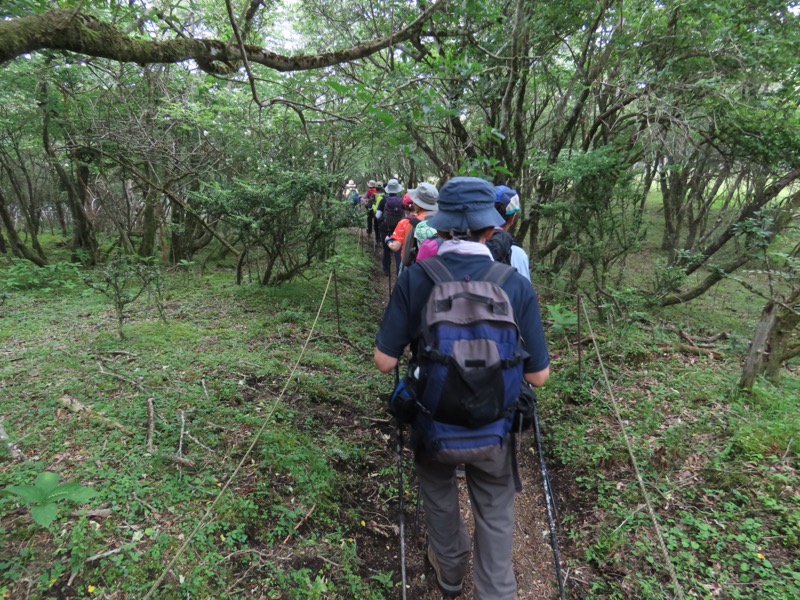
<point>151,424</point>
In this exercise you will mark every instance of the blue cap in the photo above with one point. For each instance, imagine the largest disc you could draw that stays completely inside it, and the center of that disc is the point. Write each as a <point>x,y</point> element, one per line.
<point>466,204</point>
<point>508,199</point>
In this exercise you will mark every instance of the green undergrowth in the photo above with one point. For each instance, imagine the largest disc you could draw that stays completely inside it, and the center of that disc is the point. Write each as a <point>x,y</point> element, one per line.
<point>719,466</point>
<point>169,415</point>
<point>176,405</point>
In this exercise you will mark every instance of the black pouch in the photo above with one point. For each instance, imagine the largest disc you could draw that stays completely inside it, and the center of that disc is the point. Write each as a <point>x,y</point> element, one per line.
<point>403,401</point>
<point>526,404</point>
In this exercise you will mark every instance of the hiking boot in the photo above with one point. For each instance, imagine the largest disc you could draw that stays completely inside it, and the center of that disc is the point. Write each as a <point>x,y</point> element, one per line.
<point>449,590</point>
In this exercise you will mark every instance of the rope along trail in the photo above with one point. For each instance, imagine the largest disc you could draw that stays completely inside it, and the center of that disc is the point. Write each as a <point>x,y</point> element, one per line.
<point>204,520</point>
<point>615,409</point>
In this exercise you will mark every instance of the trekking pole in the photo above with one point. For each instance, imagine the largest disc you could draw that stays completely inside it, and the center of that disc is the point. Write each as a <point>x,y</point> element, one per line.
<point>580,341</point>
<point>418,512</point>
<point>401,502</point>
<point>549,500</point>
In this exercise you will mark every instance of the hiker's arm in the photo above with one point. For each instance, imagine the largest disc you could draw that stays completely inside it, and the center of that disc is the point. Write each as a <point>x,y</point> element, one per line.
<point>535,379</point>
<point>384,362</point>
<point>393,245</point>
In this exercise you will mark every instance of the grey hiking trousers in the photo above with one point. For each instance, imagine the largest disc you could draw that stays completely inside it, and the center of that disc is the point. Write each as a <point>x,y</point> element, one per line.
<point>491,492</point>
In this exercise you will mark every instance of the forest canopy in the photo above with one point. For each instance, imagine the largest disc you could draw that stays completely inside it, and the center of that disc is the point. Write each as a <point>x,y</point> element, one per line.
<point>149,124</point>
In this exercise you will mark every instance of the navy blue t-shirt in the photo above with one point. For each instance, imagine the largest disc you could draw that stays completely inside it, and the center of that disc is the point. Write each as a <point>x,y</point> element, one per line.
<point>403,316</point>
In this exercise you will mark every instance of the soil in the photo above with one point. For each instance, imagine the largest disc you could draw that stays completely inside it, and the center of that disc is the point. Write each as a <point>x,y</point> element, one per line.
<point>533,557</point>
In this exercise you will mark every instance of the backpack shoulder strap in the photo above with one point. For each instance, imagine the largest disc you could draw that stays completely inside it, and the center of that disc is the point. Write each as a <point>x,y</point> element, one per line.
<point>498,273</point>
<point>436,269</point>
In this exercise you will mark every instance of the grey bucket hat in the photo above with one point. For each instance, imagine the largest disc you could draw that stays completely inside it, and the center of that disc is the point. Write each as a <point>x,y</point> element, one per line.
<point>393,186</point>
<point>425,196</point>
<point>466,204</point>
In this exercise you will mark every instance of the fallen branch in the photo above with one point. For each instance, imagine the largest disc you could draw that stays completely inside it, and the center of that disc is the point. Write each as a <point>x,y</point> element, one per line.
<point>179,453</point>
<point>105,554</point>
<point>96,513</point>
<point>78,408</point>
<point>136,384</point>
<point>151,424</point>
<point>303,520</point>
<point>587,341</point>
<point>324,336</point>
<point>199,443</point>
<point>15,452</point>
<point>386,531</point>
<point>179,460</point>
<point>687,349</point>
<point>694,340</point>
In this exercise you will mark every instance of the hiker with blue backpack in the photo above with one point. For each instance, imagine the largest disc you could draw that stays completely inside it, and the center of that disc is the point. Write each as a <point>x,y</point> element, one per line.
<point>390,212</point>
<point>476,334</point>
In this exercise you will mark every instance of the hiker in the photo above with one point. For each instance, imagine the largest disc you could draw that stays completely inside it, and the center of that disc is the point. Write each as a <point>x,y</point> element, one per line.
<point>395,245</point>
<point>373,207</point>
<point>350,193</point>
<point>466,219</point>
<point>390,212</point>
<point>502,244</point>
<point>428,241</point>
<point>369,199</point>
<point>424,198</point>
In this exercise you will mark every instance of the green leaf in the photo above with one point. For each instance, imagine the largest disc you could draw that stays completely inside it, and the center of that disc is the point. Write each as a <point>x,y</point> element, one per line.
<point>46,482</point>
<point>336,86</point>
<point>44,514</point>
<point>72,492</point>
<point>29,494</point>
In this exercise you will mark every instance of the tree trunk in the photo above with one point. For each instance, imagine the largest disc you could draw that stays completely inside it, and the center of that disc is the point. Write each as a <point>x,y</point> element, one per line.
<point>83,236</point>
<point>783,337</point>
<point>62,221</point>
<point>149,220</point>
<point>672,196</point>
<point>18,248</point>
<point>773,342</point>
<point>759,347</point>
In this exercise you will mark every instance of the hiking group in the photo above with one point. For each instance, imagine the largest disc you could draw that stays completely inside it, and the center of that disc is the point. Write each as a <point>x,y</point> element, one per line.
<point>464,304</point>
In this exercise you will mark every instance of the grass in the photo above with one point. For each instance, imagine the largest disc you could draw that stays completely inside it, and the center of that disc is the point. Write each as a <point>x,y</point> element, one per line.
<point>302,517</point>
<point>719,466</point>
<point>213,372</point>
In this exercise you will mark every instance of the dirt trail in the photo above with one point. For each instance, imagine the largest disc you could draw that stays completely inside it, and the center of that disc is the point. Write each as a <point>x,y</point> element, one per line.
<point>533,557</point>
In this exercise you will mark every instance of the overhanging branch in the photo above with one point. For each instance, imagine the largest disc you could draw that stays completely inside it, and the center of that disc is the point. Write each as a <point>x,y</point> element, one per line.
<point>59,29</point>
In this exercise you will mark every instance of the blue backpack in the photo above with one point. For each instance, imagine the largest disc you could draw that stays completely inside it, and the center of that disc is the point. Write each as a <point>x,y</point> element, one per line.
<point>468,370</point>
